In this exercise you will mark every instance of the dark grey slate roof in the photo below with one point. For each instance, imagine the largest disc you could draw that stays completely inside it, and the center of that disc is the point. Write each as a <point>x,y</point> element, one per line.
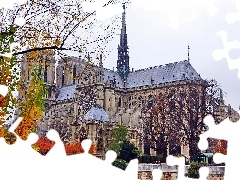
<point>176,71</point>
<point>109,75</point>
<point>181,70</point>
<point>66,92</point>
<point>96,113</point>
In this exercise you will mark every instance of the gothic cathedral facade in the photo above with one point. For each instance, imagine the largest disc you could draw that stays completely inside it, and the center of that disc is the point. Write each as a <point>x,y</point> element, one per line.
<point>87,100</point>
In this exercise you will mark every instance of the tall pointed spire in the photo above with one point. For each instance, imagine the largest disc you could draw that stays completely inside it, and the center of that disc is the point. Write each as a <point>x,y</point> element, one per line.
<point>123,57</point>
<point>188,53</point>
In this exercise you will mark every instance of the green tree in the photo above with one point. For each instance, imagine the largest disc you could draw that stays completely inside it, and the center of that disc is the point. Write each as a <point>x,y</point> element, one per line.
<point>128,151</point>
<point>120,164</point>
<point>120,143</point>
<point>193,170</point>
<point>119,134</point>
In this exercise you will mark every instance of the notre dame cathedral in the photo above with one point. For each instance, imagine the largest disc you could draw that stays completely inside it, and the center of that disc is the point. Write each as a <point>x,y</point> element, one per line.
<point>87,100</point>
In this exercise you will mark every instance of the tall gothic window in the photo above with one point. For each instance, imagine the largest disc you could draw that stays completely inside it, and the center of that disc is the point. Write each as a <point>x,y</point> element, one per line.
<point>45,74</point>
<point>150,101</point>
<point>49,92</point>
<point>63,77</point>
<point>119,102</point>
<point>172,105</point>
<point>74,74</point>
<point>83,134</point>
<point>140,101</point>
<point>129,102</point>
<point>174,149</point>
<point>146,149</point>
<point>28,75</point>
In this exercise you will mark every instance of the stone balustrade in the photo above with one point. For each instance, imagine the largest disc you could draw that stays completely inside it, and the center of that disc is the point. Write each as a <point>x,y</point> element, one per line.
<point>174,169</point>
<point>170,172</point>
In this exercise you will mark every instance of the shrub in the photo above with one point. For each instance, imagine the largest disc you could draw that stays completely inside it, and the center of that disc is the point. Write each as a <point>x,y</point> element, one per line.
<point>193,170</point>
<point>120,164</point>
<point>151,159</point>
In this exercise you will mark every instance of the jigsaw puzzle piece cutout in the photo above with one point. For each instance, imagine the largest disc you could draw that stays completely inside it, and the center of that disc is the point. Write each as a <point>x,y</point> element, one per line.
<point>180,162</point>
<point>110,156</point>
<point>22,146</point>
<point>21,153</point>
<point>178,12</point>
<point>219,158</point>
<point>57,159</point>
<point>212,126</point>
<point>87,163</point>
<point>103,169</point>
<point>220,132</point>
<point>3,94</point>
<point>203,173</point>
<point>224,53</point>
<point>10,4</point>
<point>203,143</point>
<point>233,17</point>
<point>86,145</point>
<point>177,161</point>
<point>58,150</point>
<point>157,174</point>
<point>102,13</point>
<point>211,7</point>
<point>3,90</point>
<point>132,169</point>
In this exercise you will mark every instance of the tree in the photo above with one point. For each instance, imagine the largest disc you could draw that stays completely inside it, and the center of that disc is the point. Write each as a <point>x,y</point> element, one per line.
<point>43,145</point>
<point>51,24</point>
<point>220,146</point>
<point>176,116</point>
<point>193,170</point>
<point>51,29</point>
<point>128,151</point>
<point>120,143</point>
<point>76,148</point>
<point>118,135</point>
<point>33,106</point>
<point>120,164</point>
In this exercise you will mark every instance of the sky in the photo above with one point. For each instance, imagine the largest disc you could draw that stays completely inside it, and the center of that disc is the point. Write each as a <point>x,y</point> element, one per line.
<point>153,40</point>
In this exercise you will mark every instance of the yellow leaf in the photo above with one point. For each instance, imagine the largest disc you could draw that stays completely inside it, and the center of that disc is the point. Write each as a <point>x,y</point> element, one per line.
<point>57,42</point>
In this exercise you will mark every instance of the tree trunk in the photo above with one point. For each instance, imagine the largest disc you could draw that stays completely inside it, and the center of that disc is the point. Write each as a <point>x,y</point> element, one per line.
<point>161,149</point>
<point>193,148</point>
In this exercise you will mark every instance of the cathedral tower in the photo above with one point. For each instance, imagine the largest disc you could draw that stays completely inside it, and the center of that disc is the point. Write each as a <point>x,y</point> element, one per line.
<point>123,57</point>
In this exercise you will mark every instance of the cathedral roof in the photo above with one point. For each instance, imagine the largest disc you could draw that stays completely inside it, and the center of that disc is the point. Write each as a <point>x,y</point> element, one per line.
<point>171,72</point>
<point>176,71</point>
<point>96,113</point>
<point>66,92</point>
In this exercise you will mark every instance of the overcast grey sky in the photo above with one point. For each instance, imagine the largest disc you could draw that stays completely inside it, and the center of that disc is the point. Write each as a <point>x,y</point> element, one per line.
<point>153,42</point>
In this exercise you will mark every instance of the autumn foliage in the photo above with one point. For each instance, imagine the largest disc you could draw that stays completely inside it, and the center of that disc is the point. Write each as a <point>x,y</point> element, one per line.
<point>76,148</point>
<point>220,147</point>
<point>43,145</point>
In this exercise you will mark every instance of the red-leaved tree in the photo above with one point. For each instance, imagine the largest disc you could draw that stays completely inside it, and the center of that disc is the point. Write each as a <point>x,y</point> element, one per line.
<point>220,147</point>
<point>43,145</point>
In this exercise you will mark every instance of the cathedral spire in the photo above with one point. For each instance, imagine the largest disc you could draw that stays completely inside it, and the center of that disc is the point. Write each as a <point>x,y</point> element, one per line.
<point>123,57</point>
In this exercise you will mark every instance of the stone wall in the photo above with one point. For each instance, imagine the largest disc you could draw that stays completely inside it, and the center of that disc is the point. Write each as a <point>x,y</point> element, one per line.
<point>171,172</point>
<point>173,176</point>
